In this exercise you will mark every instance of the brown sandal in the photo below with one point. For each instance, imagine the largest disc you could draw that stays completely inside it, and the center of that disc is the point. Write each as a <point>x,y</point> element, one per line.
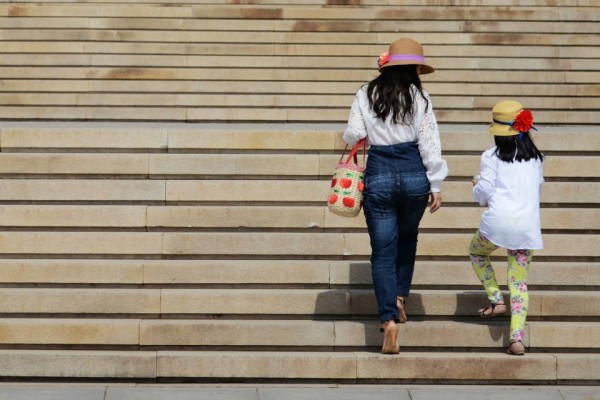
<point>402,314</point>
<point>390,338</point>
<point>517,350</point>
<point>493,310</point>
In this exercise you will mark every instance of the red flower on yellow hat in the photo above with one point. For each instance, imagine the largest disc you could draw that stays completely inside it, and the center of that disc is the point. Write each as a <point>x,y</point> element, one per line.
<point>524,121</point>
<point>383,59</point>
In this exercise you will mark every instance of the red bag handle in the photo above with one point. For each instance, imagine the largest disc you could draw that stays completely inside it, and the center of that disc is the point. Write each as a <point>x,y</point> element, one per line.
<point>354,151</point>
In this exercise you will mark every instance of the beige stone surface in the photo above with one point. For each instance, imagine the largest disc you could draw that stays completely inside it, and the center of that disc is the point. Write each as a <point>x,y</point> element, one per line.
<point>316,191</point>
<point>270,136</point>
<point>255,301</point>
<point>80,243</point>
<point>80,301</point>
<point>73,135</point>
<point>73,216</point>
<point>425,273</point>
<point>246,190</point>
<point>222,114</point>
<point>81,190</point>
<point>429,334</point>
<point>565,273</point>
<point>253,243</point>
<point>86,10</point>
<point>235,271</point>
<point>38,331</point>
<point>233,164</point>
<point>278,136</point>
<point>71,271</point>
<point>581,303</point>
<point>578,367</point>
<point>78,364</point>
<point>444,273</point>
<point>450,302</point>
<point>573,166</point>
<point>296,365</point>
<point>234,217</point>
<point>583,335</point>
<point>261,137</point>
<point>456,366</point>
<point>554,166</point>
<point>449,217</point>
<point>433,244</point>
<point>236,333</point>
<point>361,302</point>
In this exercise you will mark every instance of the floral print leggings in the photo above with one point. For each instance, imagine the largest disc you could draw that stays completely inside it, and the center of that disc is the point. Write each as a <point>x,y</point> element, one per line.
<point>518,269</point>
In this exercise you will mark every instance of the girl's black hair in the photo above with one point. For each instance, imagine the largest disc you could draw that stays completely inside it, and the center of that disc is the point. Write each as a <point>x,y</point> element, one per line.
<point>510,148</point>
<point>390,93</point>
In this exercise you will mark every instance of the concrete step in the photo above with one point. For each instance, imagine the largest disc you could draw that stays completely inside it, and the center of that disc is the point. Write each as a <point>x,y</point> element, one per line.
<point>259,61</point>
<point>273,273</point>
<point>192,191</point>
<point>178,137</point>
<point>467,12</point>
<point>356,244</point>
<point>82,190</point>
<point>269,114</point>
<point>349,366</point>
<point>238,165</point>
<point>435,89</point>
<point>287,302</point>
<point>289,49</point>
<point>274,74</point>
<point>431,3</point>
<point>278,25</point>
<point>322,335</point>
<point>315,191</point>
<point>257,217</point>
<point>258,244</point>
<point>265,100</point>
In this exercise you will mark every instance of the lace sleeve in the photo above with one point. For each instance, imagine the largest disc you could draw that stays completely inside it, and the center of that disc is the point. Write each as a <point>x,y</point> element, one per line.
<point>356,129</point>
<point>429,143</point>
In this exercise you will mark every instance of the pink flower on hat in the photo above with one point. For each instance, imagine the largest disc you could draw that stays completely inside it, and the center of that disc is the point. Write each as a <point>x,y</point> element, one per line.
<point>384,58</point>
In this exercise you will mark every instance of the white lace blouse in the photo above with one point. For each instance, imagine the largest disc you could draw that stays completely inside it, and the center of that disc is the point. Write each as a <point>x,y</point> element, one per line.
<point>424,131</point>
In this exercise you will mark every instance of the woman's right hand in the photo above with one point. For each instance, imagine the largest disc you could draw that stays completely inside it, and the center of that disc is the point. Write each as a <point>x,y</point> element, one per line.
<point>436,202</point>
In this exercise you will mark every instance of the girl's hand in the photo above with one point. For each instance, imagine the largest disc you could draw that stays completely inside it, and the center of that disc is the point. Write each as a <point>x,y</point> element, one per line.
<point>436,202</point>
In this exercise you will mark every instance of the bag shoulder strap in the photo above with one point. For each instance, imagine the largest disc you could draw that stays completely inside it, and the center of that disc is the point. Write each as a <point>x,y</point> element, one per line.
<point>353,153</point>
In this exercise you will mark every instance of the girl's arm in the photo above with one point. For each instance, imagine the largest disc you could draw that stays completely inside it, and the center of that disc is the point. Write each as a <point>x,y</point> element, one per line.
<point>486,186</point>
<point>356,129</point>
<point>541,177</point>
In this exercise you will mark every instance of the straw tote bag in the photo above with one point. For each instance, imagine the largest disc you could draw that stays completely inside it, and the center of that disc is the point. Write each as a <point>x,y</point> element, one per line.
<point>346,193</point>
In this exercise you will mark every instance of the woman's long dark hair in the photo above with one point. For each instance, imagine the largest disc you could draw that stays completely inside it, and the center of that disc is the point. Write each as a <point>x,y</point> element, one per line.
<point>390,93</point>
<point>517,147</point>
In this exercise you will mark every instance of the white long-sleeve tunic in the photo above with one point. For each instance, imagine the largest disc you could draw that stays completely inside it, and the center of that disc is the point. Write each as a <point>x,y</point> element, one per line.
<point>363,122</point>
<point>512,193</point>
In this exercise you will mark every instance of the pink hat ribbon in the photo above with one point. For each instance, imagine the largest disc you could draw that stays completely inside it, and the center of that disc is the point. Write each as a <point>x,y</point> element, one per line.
<point>386,58</point>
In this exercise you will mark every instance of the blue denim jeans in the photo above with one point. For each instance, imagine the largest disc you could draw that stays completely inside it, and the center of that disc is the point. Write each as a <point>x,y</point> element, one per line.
<point>395,197</point>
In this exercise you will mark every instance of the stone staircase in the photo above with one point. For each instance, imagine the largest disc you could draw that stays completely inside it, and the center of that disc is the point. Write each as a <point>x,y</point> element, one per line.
<point>148,250</point>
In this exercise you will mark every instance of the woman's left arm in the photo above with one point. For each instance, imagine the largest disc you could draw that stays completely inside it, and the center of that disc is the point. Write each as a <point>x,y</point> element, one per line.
<point>429,143</point>
<point>356,129</point>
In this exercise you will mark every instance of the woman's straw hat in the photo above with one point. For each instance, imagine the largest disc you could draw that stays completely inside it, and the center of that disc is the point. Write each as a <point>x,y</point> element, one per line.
<point>509,118</point>
<point>405,51</point>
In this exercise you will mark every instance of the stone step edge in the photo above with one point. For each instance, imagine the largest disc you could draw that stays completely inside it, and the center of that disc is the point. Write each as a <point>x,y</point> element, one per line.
<point>350,366</point>
<point>273,334</point>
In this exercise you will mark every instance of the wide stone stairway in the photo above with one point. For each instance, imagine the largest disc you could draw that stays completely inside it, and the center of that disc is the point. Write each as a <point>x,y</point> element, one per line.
<point>164,170</point>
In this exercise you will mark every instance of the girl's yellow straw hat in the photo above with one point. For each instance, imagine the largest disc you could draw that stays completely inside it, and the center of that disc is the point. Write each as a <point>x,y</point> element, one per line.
<point>509,119</point>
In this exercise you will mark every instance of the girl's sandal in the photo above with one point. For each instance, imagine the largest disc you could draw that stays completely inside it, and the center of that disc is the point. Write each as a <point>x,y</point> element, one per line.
<point>390,338</point>
<point>402,314</point>
<point>516,348</point>
<point>493,310</point>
